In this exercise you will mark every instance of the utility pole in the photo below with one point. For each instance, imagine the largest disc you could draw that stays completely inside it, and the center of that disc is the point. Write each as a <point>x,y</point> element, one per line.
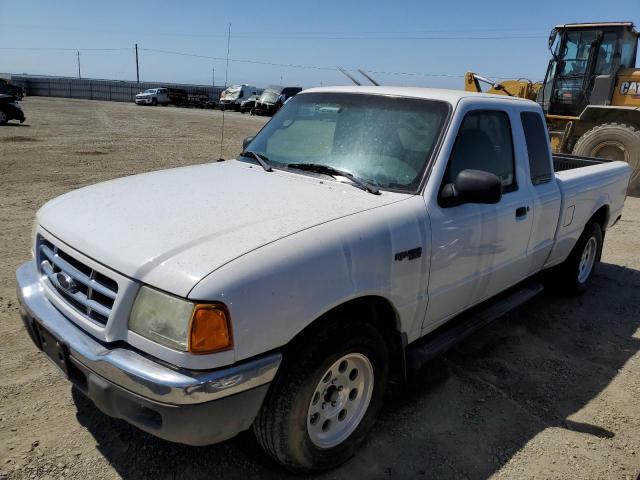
<point>226,70</point>
<point>213,77</point>
<point>137,67</point>
<point>78,55</point>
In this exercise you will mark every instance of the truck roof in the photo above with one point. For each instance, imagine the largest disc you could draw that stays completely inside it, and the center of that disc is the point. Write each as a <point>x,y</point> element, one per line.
<point>450,96</point>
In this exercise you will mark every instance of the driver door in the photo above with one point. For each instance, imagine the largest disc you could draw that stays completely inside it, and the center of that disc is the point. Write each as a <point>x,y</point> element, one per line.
<point>478,250</point>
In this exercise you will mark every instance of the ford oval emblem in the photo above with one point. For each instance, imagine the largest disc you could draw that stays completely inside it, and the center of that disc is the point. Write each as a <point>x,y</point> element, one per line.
<point>67,283</point>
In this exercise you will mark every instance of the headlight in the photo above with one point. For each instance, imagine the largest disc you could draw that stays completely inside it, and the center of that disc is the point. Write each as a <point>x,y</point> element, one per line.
<point>180,324</point>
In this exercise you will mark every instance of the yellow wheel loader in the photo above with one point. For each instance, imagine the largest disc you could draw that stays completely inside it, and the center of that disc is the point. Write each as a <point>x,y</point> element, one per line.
<point>590,93</point>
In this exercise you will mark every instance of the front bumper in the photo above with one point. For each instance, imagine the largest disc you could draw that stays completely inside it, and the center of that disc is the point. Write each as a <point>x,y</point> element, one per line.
<point>266,108</point>
<point>185,406</point>
<point>145,100</point>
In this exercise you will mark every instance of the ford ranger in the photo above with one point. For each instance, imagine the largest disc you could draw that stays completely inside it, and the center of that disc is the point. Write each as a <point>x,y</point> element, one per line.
<point>360,232</point>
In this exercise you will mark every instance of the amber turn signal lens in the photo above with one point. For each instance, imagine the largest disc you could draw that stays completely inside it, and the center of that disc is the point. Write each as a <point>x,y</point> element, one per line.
<point>210,330</point>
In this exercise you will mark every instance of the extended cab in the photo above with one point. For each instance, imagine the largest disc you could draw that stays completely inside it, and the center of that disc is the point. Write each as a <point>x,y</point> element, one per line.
<point>284,289</point>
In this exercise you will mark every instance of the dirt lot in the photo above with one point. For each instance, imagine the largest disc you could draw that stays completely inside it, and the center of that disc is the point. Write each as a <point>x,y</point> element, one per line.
<point>550,391</point>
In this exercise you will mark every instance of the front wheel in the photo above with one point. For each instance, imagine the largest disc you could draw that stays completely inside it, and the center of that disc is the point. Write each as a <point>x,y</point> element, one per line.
<point>3,118</point>
<point>154,102</point>
<point>325,399</point>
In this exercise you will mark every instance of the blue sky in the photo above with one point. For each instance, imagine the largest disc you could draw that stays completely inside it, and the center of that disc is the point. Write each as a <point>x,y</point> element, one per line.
<point>434,41</point>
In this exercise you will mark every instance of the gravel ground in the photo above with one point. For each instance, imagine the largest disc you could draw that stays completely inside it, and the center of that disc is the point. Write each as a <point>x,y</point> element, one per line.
<point>550,391</point>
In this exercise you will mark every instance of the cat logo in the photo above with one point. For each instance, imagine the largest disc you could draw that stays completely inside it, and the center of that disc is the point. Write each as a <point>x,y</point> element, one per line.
<point>630,88</point>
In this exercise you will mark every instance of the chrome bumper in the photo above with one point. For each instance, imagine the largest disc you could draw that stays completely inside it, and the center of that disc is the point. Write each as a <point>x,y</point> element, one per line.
<point>131,370</point>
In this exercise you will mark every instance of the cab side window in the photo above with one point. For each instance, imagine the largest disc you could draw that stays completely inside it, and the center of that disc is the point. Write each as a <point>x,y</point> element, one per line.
<point>535,134</point>
<point>484,142</point>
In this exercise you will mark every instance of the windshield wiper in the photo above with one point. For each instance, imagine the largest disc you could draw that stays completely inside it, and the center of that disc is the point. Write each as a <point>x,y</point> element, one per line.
<point>263,161</point>
<point>328,170</point>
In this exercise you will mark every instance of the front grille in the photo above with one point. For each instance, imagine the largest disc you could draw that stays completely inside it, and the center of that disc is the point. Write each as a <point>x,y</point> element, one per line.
<point>91,293</point>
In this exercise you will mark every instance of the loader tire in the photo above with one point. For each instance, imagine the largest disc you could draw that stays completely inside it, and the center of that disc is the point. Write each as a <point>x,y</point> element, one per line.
<point>614,141</point>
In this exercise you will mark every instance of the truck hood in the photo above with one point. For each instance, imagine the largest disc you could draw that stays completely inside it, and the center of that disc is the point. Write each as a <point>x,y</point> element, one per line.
<point>171,228</point>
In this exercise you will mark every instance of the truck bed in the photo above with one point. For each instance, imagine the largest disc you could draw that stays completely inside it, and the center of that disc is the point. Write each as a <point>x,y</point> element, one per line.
<point>586,185</point>
<point>562,161</point>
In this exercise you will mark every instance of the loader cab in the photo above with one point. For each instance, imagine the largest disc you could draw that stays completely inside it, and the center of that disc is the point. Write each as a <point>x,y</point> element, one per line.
<point>585,61</point>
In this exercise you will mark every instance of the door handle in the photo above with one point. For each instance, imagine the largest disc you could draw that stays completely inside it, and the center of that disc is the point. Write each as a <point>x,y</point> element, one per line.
<point>521,211</point>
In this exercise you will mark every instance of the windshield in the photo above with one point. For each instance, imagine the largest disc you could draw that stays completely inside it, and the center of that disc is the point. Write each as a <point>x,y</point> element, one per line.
<point>232,92</point>
<point>150,90</point>
<point>269,96</point>
<point>382,140</point>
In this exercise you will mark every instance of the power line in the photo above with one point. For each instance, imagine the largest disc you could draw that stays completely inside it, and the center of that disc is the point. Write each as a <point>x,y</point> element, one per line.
<point>319,34</point>
<point>313,67</point>
<point>66,49</point>
<point>252,61</point>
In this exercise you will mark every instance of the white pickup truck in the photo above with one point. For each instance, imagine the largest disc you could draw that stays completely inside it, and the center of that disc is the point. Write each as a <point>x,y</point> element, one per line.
<point>283,290</point>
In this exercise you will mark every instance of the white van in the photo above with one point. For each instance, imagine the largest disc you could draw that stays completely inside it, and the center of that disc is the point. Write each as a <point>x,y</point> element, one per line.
<point>233,96</point>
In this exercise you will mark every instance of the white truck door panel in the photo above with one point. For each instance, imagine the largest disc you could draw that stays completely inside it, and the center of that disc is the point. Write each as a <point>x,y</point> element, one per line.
<point>545,209</point>
<point>531,136</point>
<point>479,250</point>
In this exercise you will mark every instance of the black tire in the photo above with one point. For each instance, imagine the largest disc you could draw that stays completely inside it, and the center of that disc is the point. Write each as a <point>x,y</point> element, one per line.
<point>281,425</point>
<point>154,101</point>
<point>3,118</point>
<point>565,278</point>
<point>614,141</point>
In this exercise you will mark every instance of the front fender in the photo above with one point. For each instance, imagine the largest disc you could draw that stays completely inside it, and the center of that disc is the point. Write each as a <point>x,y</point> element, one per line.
<point>275,291</point>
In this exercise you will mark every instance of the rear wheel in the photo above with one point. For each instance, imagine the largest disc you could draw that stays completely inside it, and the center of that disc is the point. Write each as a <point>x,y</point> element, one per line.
<point>614,141</point>
<point>574,275</point>
<point>325,398</point>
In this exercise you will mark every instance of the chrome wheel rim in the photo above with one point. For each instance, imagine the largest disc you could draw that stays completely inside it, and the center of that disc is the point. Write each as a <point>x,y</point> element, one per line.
<point>587,260</point>
<point>340,400</point>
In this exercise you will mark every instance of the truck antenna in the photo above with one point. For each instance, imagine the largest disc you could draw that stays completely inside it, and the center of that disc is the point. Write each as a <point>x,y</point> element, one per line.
<point>226,78</point>
<point>348,75</point>
<point>368,77</point>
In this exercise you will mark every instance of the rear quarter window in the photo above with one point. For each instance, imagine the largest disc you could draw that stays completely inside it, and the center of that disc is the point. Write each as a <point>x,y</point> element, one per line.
<point>535,134</point>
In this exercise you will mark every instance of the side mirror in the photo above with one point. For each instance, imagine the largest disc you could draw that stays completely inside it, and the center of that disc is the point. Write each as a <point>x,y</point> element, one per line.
<point>472,186</point>
<point>247,141</point>
<point>552,37</point>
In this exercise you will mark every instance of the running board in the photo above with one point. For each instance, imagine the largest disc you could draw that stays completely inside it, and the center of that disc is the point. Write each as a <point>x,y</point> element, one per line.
<point>459,328</point>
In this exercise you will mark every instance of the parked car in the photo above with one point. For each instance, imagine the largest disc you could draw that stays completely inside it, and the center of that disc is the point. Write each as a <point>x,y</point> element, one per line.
<point>10,109</point>
<point>233,96</point>
<point>377,217</point>
<point>273,97</point>
<point>248,104</point>
<point>178,97</point>
<point>7,88</point>
<point>153,96</point>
